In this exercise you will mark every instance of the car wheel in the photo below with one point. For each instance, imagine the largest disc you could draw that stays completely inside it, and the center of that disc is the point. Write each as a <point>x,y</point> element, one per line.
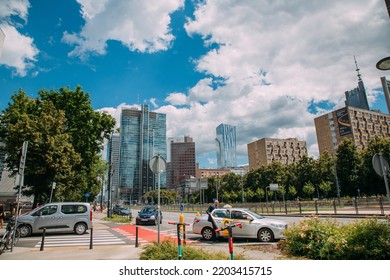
<point>25,230</point>
<point>208,233</point>
<point>265,235</point>
<point>80,228</point>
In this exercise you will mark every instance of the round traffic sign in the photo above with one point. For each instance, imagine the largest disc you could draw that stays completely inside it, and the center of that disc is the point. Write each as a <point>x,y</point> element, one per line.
<point>157,164</point>
<point>380,164</point>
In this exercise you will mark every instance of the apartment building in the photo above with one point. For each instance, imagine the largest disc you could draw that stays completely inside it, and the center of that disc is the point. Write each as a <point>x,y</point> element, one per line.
<point>355,123</point>
<point>267,150</point>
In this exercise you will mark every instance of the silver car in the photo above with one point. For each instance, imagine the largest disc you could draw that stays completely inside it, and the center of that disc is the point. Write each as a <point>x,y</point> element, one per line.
<point>253,225</point>
<point>54,217</point>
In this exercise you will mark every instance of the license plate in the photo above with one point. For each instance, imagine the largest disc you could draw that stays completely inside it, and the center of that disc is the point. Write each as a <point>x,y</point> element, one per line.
<point>144,220</point>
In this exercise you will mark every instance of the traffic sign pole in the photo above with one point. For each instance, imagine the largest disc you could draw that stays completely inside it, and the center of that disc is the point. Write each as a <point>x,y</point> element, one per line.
<point>385,171</point>
<point>158,164</point>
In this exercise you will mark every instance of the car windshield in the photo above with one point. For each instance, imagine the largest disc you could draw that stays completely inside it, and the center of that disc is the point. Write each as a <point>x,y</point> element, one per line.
<point>148,210</point>
<point>255,215</point>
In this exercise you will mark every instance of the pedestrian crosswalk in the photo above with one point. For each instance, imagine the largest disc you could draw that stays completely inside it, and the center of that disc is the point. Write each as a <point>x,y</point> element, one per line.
<point>100,237</point>
<point>131,236</point>
<point>149,235</point>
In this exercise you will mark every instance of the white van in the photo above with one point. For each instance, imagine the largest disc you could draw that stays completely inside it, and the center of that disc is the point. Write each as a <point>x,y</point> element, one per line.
<point>55,217</point>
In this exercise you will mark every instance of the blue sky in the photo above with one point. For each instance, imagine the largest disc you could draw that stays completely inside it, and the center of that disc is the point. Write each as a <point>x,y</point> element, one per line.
<point>267,67</point>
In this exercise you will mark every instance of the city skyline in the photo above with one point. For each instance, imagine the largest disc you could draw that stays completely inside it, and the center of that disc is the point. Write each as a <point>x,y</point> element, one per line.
<point>268,68</point>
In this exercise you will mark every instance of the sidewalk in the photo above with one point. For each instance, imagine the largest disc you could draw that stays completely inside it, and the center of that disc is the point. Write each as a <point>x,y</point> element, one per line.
<point>125,252</point>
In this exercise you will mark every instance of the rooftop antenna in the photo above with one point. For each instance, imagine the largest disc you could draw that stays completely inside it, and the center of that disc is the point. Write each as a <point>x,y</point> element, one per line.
<point>357,70</point>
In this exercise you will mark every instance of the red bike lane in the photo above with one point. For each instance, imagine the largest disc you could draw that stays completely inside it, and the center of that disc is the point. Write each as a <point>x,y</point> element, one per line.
<point>145,234</point>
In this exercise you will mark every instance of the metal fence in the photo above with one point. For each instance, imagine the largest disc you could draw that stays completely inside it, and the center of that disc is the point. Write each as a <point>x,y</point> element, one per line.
<point>361,206</point>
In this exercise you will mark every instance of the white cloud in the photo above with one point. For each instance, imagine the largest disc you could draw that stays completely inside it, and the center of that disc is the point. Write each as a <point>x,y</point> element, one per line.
<point>18,51</point>
<point>274,59</point>
<point>14,8</point>
<point>139,25</point>
<point>176,98</point>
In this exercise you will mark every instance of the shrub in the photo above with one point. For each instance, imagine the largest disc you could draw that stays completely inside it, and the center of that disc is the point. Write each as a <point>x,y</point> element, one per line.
<point>368,240</point>
<point>325,239</point>
<point>167,250</point>
<point>307,239</point>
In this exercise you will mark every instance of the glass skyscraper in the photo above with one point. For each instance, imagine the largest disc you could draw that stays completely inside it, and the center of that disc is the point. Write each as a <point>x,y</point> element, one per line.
<point>226,146</point>
<point>113,150</point>
<point>143,136</point>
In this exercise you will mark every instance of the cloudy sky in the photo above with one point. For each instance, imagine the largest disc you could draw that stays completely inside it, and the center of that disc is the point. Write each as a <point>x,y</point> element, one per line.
<point>269,67</point>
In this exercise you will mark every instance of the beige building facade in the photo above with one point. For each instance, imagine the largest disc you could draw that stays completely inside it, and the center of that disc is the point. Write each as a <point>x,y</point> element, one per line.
<point>267,150</point>
<point>350,122</point>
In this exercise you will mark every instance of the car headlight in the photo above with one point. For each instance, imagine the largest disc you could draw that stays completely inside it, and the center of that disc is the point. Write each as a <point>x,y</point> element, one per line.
<point>278,225</point>
<point>153,217</point>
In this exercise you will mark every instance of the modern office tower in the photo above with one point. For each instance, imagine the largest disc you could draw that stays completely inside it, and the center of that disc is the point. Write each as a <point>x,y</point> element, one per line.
<point>182,163</point>
<point>355,123</point>
<point>113,156</point>
<point>357,97</point>
<point>386,91</point>
<point>267,150</point>
<point>226,146</point>
<point>143,136</point>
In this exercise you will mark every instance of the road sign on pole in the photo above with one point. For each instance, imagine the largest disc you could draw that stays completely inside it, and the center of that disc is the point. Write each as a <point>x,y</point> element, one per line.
<point>158,164</point>
<point>381,167</point>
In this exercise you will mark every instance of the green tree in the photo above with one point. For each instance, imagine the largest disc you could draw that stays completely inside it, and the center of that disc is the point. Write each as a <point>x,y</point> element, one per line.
<point>292,192</point>
<point>324,172</point>
<point>305,173</point>
<point>348,165</point>
<point>65,137</point>
<point>325,188</point>
<point>308,190</point>
<point>373,184</point>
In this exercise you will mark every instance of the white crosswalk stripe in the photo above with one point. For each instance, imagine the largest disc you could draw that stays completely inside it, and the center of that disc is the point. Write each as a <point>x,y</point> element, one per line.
<point>100,237</point>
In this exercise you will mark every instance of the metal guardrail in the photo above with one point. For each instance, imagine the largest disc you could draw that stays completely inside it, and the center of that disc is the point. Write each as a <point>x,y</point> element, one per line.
<point>363,206</point>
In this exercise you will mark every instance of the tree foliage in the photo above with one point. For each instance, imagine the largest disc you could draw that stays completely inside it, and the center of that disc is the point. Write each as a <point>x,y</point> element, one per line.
<point>65,137</point>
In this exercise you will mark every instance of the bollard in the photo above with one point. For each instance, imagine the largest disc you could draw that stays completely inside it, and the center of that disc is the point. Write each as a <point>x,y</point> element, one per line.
<point>229,228</point>
<point>300,208</point>
<point>356,206</point>
<point>136,237</point>
<point>43,239</point>
<point>182,227</point>
<point>334,206</point>
<point>381,206</point>
<point>316,206</point>
<point>179,248</point>
<point>91,240</point>
<point>179,239</point>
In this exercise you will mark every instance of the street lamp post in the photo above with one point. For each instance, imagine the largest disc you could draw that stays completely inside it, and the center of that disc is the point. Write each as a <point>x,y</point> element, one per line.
<point>242,191</point>
<point>53,186</point>
<point>110,172</point>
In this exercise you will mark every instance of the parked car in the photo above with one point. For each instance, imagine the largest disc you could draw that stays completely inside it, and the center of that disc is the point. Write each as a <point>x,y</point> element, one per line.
<point>121,210</point>
<point>253,225</point>
<point>148,215</point>
<point>60,216</point>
